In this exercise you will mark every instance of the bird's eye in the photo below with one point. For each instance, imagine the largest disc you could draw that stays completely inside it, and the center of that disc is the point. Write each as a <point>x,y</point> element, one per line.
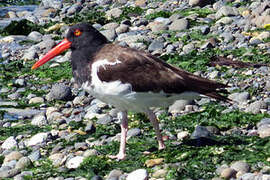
<point>77,32</point>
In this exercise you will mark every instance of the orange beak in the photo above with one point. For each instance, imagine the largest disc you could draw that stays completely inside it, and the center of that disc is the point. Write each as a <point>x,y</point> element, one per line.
<point>58,49</point>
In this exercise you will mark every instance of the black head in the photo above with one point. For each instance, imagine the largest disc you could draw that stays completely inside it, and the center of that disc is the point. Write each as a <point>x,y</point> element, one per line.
<point>84,35</point>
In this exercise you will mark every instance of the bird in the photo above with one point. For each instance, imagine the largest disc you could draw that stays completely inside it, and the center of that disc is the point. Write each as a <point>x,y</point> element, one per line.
<point>129,79</point>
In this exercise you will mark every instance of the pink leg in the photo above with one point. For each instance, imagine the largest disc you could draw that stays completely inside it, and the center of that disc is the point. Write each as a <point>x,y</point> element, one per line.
<point>124,128</point>
<point>154,122</point>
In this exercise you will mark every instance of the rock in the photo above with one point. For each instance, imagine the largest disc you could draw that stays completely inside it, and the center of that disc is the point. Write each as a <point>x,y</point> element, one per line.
<point>264,121</point>
<point>225,20</point>
<point>37,139</point>
<point>139,174</point>
<point>240,166</point>
<point>153,162</point>
<point>35,155</point>
<point>9,173</point>
<point>23,163</point>
<point>20,82</point>
<point>228,173</point>
<point>256,107</point>
<point>114,174</point>
<point>179,25</point>
<point>157,26</point>
<point>248,176</point>
<point>96,178</point>
<point>264,130</point>
<point>9,143</point>
<point>179,106</point>
<point>90,127</point>
<point>90,152</point>
<point>115,12</point>
<point>188,48</point>
<point>226,11</point>
<point>239,97</point>
<point>14,96</point>
<point>36,100</point>
<point>56,4</point>
<point>74,162</point>
<point>200,3</point>
<point>183,135</point>
<point>39,120</point>
<point>104,119</point>
<point>110,34</point>
<point>133,132</point>
<point>35,36</point>
<point>75,8</point>
<point>60,92</point>
<point>57,159</point>
<point>14,155</point>
<point>155,45</point>
<point>200,132</point>
<point>161,173</point>
<point>140,3</point>
<point>122,29</point>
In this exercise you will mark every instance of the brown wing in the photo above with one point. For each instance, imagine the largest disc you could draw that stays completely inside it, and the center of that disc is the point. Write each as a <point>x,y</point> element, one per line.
<point>148,73</point>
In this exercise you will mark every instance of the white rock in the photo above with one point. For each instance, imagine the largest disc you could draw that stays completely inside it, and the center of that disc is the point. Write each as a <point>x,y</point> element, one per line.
<point>9,143</point>
<point>37,139</point>
<point>75,162</point>
<point>36,100</point>
<point>139,174</point>
<point>39,120</point>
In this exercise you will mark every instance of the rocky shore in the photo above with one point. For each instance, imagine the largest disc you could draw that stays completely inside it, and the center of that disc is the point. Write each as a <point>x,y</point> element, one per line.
<point>49,129</point>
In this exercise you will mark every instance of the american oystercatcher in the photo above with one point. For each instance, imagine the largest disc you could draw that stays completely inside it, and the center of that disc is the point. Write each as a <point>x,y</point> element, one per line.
<point>127,78</point>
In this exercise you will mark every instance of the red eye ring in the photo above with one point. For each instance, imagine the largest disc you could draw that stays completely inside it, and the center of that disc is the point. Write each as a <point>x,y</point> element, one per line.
<point>77,32</point>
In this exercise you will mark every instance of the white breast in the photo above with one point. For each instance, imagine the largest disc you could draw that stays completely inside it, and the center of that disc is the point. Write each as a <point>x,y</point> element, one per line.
<point>121,95</point>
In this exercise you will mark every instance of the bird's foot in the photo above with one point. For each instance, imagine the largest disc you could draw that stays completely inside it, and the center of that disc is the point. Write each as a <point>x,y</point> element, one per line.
<point>119,156</point>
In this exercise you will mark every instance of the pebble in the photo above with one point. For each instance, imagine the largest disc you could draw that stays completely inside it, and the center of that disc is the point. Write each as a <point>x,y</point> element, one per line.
<point>9,143</point>
<point>60,92</point>
<point>39,120</point>
<point>74,162</point>
<point>139,174</point>
<point>14,155</point>
<point>228,173</point>
<point>23,163</point>
<point>37,139</point>
<point>240,166</point>
<point>36,100</point>
<point>200,132</point>
<point>179,25</point>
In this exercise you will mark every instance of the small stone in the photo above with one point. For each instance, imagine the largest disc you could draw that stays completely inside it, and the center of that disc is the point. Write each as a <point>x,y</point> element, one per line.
<point>104,119</point>
<point>96,178</point>
<point>153,162</point>
<point>110,34</point>
<point>39,120</point>
<point>225,20</point>
<point>74,162</point>
<point>9,173</point>
<point>228,173</point>
<point>9,143</point>
<point>37,139</point>
<point>14,155</point>
<point>248,176</point>
<point>60,92</point>
<point>157,26</point>
<point>200,132</point>
<point>122,29</point>
<point>188,48</point>
<point>264,130</point>
<point>90,127</point>
<point>75,8</point>
<point>239,97</point>
<point>133,132</point>
<point>36,100</point>
<point>155,45</point>
<point>35,155</point>
<point>20,82</point>
<point>140,3</point>
<point>161,173</point>
<point>179,25</point>
<point>114,174</point>
<point>183,135</point>
<point>23,163</point>
<point>179,106</point>
<point>240,166</point>
<point>226,11</point>
<point>90,152</point>
<point>57,159</point>
<point>115,12</point>
<point>35,36</point>
<point>256,107</point>
<point>139,174</point>
<point>11,14</point>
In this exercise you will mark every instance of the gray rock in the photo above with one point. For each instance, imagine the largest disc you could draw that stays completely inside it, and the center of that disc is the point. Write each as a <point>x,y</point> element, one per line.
<point>14,96</point>
<point>60,92</point>
<point>96,178</point>
<point>36,100</point>
<point>90,127</point>
<point>227,36</point>
<point>46,44</point>
<point>264,121</point>
<point>111,26</point>
<point>239,97</point>
<point>200,132</point>
<point>264,130</point>
<point>155,45</point>
<point>105,119</point>
<point>110,34</point>
<point>31,53</point>
<point>74,162</point>
<point>139,174</point>
<point>228,173</point>
<point>179,25</point>
<point>9,173</point>
<point>37,139</point>
<point>115,12</point>
<point>225,20</point>
<point>114,174</point>
<point>248,176</point>
<point>188,48</point>
<point>179,106</point>
<point>240,166</point>
<point>122,29</point>
<point>75,8</point>
<point>39,120</point>
<point>34,156</point>
<point>56,4</point>
<point>9,143</point>
<point>90,152</point>
<point>23,163</point>
<point>226,11</point>
<point>35,36</point>
<point>14,155</point>
<point>256,107</point>
<point>20,82</point>
<point>133,132</point>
